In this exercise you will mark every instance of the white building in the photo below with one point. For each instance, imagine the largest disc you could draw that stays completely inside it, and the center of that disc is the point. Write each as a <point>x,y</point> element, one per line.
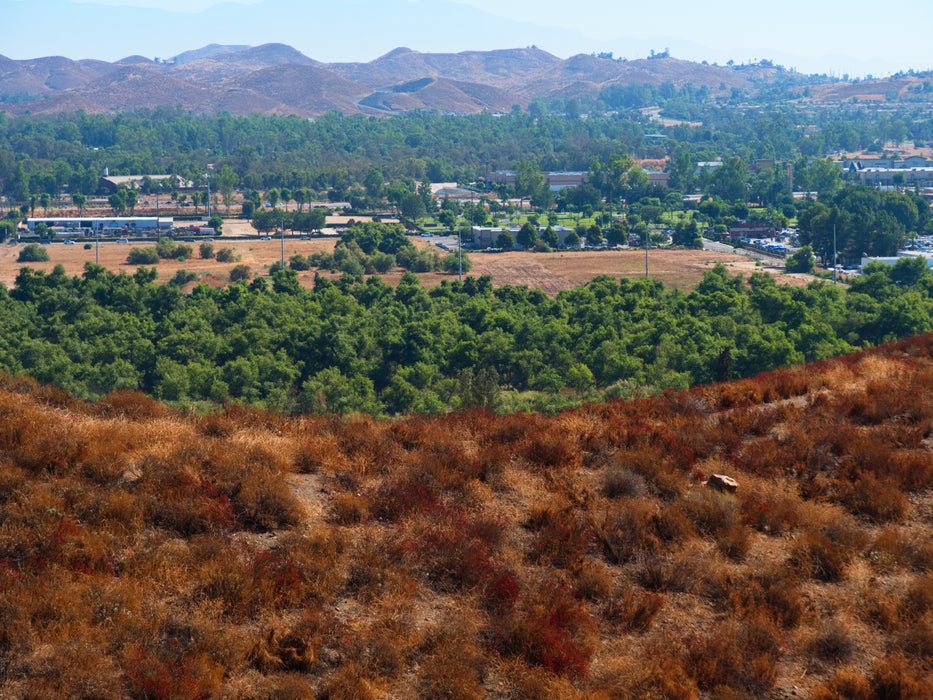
<point>109,225</point>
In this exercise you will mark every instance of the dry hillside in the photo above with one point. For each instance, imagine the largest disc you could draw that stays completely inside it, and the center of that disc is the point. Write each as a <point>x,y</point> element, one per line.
<point>148,553</point>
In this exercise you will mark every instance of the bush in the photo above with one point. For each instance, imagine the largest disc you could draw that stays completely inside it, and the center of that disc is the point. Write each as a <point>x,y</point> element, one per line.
<point>226,255</point>
<point>183,277</point>
<point>206,250</point>
<point>451,263</point>
<point>383,262</point>
<point>33,253</point>
<point>240,272</point>
<point>816,556</point>
<point>298,262</point>
<point>143,256</point>
<point>88,246</point>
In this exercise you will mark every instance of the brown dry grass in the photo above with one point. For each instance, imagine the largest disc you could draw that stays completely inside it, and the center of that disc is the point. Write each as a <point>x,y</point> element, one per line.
<point>148,553</point>
<point>550,272</point>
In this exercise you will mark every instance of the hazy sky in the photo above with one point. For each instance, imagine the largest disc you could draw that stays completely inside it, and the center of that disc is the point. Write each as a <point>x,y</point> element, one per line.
<point>857,37</point>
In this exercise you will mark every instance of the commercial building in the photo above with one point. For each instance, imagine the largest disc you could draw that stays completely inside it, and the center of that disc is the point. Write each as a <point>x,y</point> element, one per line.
<point>106,226</point>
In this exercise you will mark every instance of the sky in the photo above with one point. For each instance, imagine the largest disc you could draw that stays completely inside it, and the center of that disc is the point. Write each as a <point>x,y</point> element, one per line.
<point>857,38</point>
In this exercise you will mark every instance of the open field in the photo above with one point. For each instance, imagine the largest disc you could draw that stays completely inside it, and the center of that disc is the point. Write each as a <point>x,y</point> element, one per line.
<point>550,272</point>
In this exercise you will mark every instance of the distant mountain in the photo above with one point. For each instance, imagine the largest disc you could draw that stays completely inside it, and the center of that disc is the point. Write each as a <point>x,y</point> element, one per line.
<point>278,79</point>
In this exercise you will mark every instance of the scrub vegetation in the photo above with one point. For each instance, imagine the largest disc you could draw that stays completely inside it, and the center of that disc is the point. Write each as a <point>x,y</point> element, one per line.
<point>147,552</point>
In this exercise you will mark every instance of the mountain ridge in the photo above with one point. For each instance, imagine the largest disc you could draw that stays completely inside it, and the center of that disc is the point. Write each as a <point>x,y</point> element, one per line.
<point>267,79</point>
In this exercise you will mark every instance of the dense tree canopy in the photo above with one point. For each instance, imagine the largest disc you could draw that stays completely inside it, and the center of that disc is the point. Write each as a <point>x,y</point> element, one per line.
<point>357,344</point>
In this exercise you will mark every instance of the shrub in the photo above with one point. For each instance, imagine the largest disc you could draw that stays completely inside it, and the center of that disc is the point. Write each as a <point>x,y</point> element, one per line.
<point>33,252</point>
<point>741,656</point>
<point>561,536</point>
<point>634,609</point>
<point>816,556</point>
<point>712,512</point>
<point>206,251</point>
<point>240,272</point>
<point>397,499</point>
<point>348,509</point>
<point>143,256</point>
<point>891,677</point>
<point>226,255</point>
<point>880,502</point>
<point>770,513</point>
<point>299,262</point>
<point>620,481</point>
<point>845,684</point>
<point>832,643</point>
<point>550,629</point>
<point>183,277</point>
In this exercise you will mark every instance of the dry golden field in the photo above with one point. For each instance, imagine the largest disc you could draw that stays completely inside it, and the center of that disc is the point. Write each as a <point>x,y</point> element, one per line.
<point>550,272</point>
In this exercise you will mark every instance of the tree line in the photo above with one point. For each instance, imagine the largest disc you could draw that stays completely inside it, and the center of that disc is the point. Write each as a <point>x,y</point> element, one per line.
<point>357,344</point>
<point>50,154</point>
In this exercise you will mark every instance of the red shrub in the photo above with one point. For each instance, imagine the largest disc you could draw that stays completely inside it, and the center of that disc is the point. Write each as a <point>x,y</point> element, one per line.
<point>169,674</point>
<point>550,628</point>
<point>397,499</point>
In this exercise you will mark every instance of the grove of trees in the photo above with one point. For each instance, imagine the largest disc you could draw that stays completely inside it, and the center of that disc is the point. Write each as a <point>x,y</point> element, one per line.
<point>357,344</point>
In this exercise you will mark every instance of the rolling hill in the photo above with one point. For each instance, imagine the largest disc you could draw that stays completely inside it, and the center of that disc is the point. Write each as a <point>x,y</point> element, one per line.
<point>277,79</point>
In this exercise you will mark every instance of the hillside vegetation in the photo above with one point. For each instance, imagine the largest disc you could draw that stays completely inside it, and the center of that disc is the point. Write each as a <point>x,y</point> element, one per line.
<point>151,553</point>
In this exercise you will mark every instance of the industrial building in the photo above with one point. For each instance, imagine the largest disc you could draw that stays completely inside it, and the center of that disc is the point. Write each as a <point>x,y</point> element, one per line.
<point>106,226</point>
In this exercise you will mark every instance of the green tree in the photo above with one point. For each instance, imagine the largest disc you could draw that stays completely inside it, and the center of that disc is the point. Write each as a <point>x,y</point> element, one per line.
<point>412,207</point>
<point>505,241</point>
<point>686,234</point>
<point>240,272</point>
<point>331,392</point>
<point>132,197</point>
<point>226,182</point>
<point>33,252</point>
<point>146,255</point>
<point>528,179</point>
<point>527,235</point>
<point>117,201</point>
<point>317,219</point>
<point>801,261</point>
<point>452,263</point>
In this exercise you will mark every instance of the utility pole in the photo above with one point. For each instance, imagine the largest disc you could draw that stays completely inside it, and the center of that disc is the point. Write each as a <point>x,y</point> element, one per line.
<point>834,253</point>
